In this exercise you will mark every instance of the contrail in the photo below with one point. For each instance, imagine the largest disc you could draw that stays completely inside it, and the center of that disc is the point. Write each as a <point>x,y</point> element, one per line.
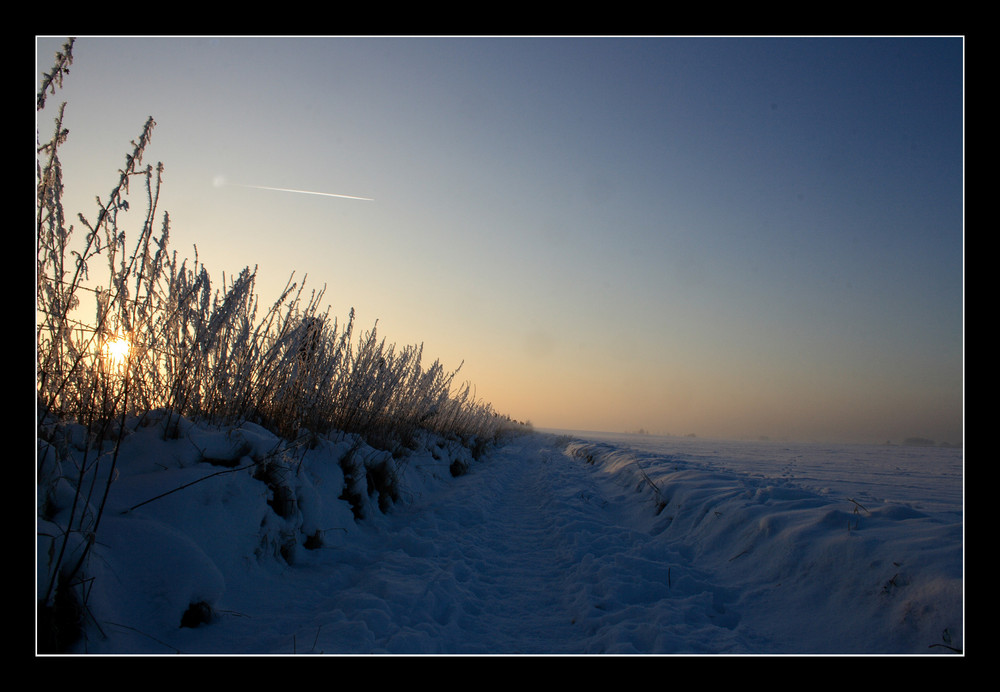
<point>308,192</point>
<point>219,181</point>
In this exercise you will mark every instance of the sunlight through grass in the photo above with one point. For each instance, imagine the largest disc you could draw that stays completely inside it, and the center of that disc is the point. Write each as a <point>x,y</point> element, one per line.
<point>115,352</point>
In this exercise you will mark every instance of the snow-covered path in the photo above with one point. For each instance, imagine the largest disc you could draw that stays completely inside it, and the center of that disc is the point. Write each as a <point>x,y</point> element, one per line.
<point>532,552</point>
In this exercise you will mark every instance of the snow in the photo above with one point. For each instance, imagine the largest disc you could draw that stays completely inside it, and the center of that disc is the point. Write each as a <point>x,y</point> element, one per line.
<point>552,543</point>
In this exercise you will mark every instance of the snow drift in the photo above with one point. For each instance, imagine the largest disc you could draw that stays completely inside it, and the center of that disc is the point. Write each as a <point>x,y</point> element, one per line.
<point>232,541</point>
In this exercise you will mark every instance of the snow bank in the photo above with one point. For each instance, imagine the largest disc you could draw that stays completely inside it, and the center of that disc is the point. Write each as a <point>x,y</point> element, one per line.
<point>821,572</point>
<point>198,510</point>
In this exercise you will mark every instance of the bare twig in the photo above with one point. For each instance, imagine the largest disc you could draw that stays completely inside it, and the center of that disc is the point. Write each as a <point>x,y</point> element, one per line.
<point>188,485</point>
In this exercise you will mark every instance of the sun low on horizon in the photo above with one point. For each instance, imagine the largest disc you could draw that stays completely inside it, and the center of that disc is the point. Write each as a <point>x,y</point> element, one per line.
<point>116,350</point>
<point>723,236</point>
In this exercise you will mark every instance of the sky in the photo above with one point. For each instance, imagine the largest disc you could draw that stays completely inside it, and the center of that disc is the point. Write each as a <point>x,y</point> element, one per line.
<point>720,236</point>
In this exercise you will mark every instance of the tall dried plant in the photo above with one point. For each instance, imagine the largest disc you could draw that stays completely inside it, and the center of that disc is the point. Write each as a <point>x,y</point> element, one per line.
<point>194,350</point>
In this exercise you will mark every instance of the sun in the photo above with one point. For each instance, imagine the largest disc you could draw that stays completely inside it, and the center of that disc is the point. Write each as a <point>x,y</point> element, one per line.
<point>116,351</point>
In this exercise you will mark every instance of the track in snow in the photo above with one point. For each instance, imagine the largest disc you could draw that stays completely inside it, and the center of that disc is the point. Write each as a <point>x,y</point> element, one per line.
<point>531,552</point>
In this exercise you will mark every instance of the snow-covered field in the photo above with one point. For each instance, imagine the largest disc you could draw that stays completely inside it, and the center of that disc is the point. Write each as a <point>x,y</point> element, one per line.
<point>555,543</point>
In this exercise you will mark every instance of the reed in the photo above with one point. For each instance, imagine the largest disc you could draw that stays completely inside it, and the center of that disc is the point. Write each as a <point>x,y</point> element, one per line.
<point>125,327</point>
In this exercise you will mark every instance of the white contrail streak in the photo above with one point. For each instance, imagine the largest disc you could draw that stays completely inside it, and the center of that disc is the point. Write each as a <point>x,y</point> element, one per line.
<point>219,181</point>
<point>308,192</point>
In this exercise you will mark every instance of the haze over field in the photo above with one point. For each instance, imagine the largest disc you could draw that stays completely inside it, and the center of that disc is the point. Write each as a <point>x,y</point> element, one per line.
<point>722,236</point>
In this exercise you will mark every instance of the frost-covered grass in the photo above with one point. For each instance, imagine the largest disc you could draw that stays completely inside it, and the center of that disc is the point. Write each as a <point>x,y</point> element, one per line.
<point>153,332</point>
<point>124,327</point>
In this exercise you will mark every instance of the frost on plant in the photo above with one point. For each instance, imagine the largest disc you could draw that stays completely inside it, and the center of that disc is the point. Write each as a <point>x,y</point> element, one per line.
<point>125,327</point>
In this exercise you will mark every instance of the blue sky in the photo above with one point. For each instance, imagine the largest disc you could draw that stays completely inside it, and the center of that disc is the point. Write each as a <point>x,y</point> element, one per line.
<point>730,237</point>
